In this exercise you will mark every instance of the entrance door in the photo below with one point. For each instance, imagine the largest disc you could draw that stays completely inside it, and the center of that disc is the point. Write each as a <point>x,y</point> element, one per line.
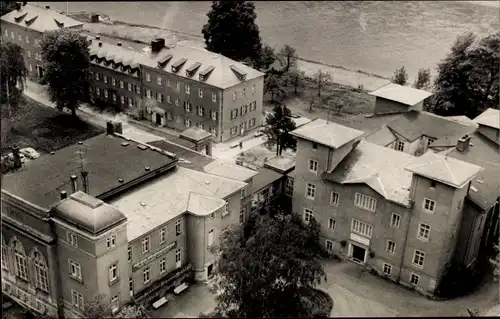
<point>158,119</point>
<point>210,269</point>
<point>358,253</point>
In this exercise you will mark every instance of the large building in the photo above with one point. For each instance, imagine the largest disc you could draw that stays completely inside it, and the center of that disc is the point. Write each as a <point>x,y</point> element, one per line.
<point>26,26</point>
<point>407,217</point>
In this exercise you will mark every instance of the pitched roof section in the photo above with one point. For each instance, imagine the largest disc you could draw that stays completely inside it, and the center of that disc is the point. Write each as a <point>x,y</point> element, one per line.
<point>167,197</point>
<point>264,177</point>
<point>382,136</point>
<point>187,157</point>
<point>490,118</point>
<point>401,94</point>
<point>444,169</point>
<point>381,168</point>
<point>462,119</point>
<point>39,19</point>
<point>327,133</point>
<point>117,53</point>
<point>412,125</point>
<point>229,170</point>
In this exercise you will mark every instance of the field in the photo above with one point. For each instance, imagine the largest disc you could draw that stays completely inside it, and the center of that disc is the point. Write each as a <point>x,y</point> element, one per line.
<point>43,128</point>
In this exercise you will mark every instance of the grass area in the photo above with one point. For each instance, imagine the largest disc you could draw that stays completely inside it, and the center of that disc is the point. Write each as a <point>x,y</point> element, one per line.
<point>43,128</point>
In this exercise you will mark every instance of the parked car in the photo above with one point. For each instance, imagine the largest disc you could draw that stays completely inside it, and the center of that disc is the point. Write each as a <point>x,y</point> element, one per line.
<point>29,152</point>
<point>21,155</point>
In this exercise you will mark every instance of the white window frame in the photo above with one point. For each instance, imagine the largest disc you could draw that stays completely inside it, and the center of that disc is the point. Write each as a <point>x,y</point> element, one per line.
<point>113,272</point>
<point>146,275</point>
<point>424,231</point>
<point>178,227</point>
<point>416,277</point>
<point>214,115</point>
<point>148,77</point>
<point>105,79</point>
<point>163,265</point>
<point>242,215</point>
<point>365,202</point>
<point>431,203</point>
<point>334,198</point>
<point>29,54</point>
<point>169,99</point>
<point>310,191</point>
<point>387,269</point>
<point>214,97</point>
<point>361,228</point>
<point>130,102</point>
<point>395,220</point>
<point>421,257</point>
<point>145,245</point>
<point>149,93</point>
<point>176,102</point>
<point>252,122</point>
<point>178,86</point>
<point>331,224</point>
<point>27,39</point>
<point>163,235</point>
<point>111,242</point>
<point>41,271</point>
<point>201,110</point>
<point>169,116</point>
<point>390,244</point>
<point>122,84</point>
<point>72,239</point>
<point>234,96</point>
<point>244,92</point>
<point>188,88</point>
<point>114,97</point>
<point>313,166</point>
<point>77,299</point>
<point>187,122</point>
<point>129,87</point>
<point>200,93</point>
<point>210,237</point>
<point>289,186</point>
<point>178,255</point>
<point>213,130</point>
<point>308,214</point>
<point>75,269</point>
<point>158,80</point>
<point>106,93</point>
<point>400,146</point>
<point>159,97</point>
<point>122,99</point>
<point>329,245</point>
<point>129,253</point>
<point>115,304</point>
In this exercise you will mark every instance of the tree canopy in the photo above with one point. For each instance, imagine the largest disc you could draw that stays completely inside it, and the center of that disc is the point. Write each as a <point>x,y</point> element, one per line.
<point>12,72</point>
<point>8,6</point>
<point>231,30</point>
<point>278,128</point>
<point>288,58</point>
<point>99,308</point>
<point>322,79</point>
<point>468,77</point>
<point>266,266</point>
<point>67,68</point>
<point>423,81</point>
<point>274,85</point>
<point>400,76</point>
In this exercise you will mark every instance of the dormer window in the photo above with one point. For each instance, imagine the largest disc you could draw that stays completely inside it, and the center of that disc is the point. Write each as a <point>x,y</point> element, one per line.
<point>242,75</point>
<point>433,184</point>
<point>192,69</point>
<point>177,65</point>
<point>203,75</point>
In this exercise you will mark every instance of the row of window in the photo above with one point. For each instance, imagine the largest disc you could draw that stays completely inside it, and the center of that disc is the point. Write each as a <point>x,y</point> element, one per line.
<point>244,109</point>
<point>72,239</point>
<point>146,241</point>
<point>20,37</point>
<point>387,270</point>
<point>234,129</point>
<point>131,87</point>
<point>38,56</point>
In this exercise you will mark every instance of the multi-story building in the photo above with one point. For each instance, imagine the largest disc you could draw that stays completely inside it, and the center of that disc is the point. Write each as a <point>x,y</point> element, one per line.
<point>111,216</point>
<point>26,26</point>
<point>399,214</point>
<point>179,86</point>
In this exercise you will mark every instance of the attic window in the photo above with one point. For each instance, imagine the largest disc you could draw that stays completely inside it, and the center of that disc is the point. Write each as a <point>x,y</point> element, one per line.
<point>192,69</point>
<point>239,73</point>
<point>59,24</point>
<point>163,61</point>
<point>206,72</point>
<point>30,21</point>
<point>19,18</point>
<point>178,64</point>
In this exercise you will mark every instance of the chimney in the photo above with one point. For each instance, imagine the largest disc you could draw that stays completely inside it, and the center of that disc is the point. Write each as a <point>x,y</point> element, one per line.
<point>97,37</point>
<point>18,6</point>
<point>85,181</point>
<point>157,44</point>
<point>463,143</point>
<point>119,44</point>
<point>16,156</point>
<point>74,183</point>
<point>47,7</point>
<point>100,44</point>
<point>64,195</point>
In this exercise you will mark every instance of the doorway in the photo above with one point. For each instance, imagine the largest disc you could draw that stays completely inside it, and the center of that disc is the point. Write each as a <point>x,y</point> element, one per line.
<point>39,71</point>
<point>358,254</point>
<point>210,269</point>
<point>242,128</point>
<point>158,119</point>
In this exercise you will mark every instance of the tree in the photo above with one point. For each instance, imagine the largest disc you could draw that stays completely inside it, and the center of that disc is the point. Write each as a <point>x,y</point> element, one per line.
<point>8,6</point>
<point>266,267</point>
<point>99,307</point>
<point>400,76</point>
<point>267,57</point>
<point>322,79</point>
<point>231,30</point>
<point>274,85</point>
<point>12,73</point>
<point>278,128</point>
<point>288,57</point>
<point>496,263</point>
<point>67,68</point>
<point>423,81</point>
<point>296,78</point>
<point>468,77</point>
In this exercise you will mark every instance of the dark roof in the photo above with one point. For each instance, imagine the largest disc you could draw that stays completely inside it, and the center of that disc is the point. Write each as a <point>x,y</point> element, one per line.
<point>413,124</point>
<point>40,181</point>
<point>265,177</point>
<point>486,154</point>
<point>187,158</point>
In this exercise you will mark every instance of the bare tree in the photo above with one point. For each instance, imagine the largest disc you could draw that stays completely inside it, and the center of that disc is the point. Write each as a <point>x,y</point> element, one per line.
<point>322,79</point>
<point>288,58</point>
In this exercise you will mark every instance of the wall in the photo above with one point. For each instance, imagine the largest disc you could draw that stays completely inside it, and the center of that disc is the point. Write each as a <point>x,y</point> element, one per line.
<point>383,106</point>
<point>491,133</point>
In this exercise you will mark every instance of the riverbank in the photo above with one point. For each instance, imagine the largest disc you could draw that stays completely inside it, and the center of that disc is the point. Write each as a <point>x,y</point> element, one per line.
<point>144,34</point>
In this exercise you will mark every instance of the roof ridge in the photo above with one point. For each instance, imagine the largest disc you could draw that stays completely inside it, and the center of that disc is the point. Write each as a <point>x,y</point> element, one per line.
<point>449,169</point>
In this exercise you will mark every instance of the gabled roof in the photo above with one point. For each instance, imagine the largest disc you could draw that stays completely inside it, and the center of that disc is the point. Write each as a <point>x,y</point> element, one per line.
<point>200,204</point>
<point>413,124</point>
<point>462,119</point>
<point>327,133</point>
<point>402,94</point>
<point>490,118</point>
<point>380,168</point>
<point>188,158</point>
<point>196,134</point>
<point>444,169</point>
<point>382,136</point>
<point>39,19</point>
<point>229,170</point>
<point>264,177</point>
<point>485,153</point>
<point>118,54</point>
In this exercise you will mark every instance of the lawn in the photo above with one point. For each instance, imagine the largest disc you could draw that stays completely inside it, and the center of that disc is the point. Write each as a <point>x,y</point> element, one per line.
<point>43,128</point>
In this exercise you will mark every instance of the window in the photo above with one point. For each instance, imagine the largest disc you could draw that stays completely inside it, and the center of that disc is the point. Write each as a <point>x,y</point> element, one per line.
<point>77,299</point>
<point>213,130</point>
<point>289,186</point>
<point>145,275</point>
<point>169,83</point>
<point>234,96</point>
<point>178,257</point>
<point>111,242</point>
<point>387,269</point>
<point>169,100</point>
<point>315,146</point>
<point>31,70</point>
<point>226,210</point>
<point>122,84</point>
<point>234,113</point>
<point>329,245</point>
<point>98,91</point>
<point>122,99</point>
<point>105,79</point>
<point>414,279</point>
<point>41,272</point>
<point>149,94</point>
<point>177,119</point>
<point>395,220</point>
<point>201,110</point>
<point>96,74</point>
<point>71,238</point>
<point>214,97</point>
<point>158,80</point>
<point>252,122</point>
<point>114,97</point>
<point>176,102</point>
<point>430,140</point>
<point>331,224</point>
<point>178,86</point>
<point>137,89</point>
<point>163,233</point>
<point>148,77</point>
<point>400,146</point>
<point>29,54</point>
<point>188,90</point>
<point>213,115</point>
<point>313,166</point>
<point>178,229</point>
<point>244,91</point>
<point>242,215</point>
<point>424,231</point>
<point>234,130</point>
<point>20,38</point>
<point>169,116</point>
<point>131,285</point>
<point>334,199</point>
<point>113,273</point>
<point>200,93</point>
<point>129,87</point>
<point>459,205</point>
<point>106,93</point>
<point>145,245</point>
<point>391,247</point>
<point>6,33</point>
<point>418,258</point>
<point>5,263</point>
<point>159,97</point>
<point>308,215</point>
<point>113,81</point>
<point>253,106</point>
<point>433,184</point>
<point>243,193</point>
<point>163,265</point>
<point>429,205</point>
<point>365,202</point>
<point>115,304</point>
<point>361,228</point>
<point>210,240</point>
<point>130,102</point>
<point>75,270</point>
<point>12,35</point>
<point>27,39</point>
<point>310,191</point>
<point>20,260</point>
<point>129,254</point>
<point>187,122</point>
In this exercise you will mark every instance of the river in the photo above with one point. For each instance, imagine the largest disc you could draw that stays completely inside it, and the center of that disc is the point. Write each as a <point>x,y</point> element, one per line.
<point>373,36</point>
